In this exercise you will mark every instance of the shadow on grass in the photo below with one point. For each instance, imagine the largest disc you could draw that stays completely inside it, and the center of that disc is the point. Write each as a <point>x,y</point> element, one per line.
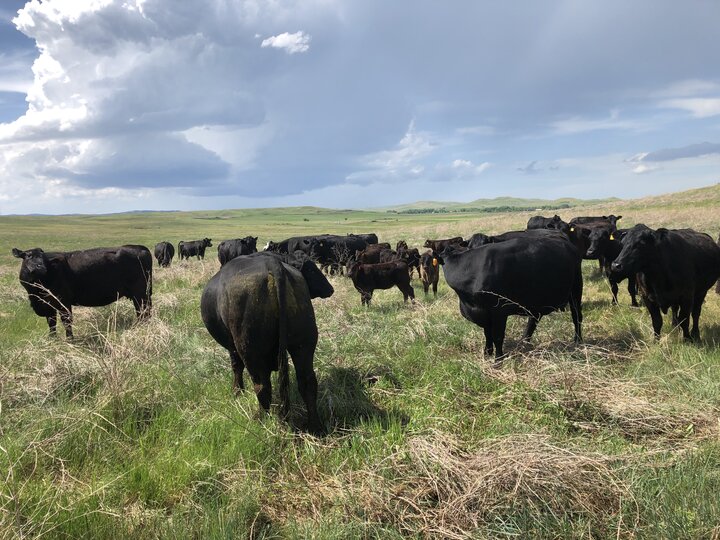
<point>343,401</point>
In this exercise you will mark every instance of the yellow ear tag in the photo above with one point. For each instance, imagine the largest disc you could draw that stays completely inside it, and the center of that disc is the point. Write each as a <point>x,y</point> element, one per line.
<point>434,261</point>
<point>612,237</point>
<point>572,229</point>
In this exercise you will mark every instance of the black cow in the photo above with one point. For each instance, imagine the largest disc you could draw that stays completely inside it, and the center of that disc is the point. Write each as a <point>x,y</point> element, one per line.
<point>370,238</point>
<point>164,253</point>
<point>368,277</point>
<point>229,249</point>
<point>259,308</point>
<point>57,281</point>
<point>439,245</point>
<point>429,271</point>
<point>530,275</point>
<point>410,256</point>
<point>293,244</point>
<point>332,251</point>
<point>540,222</point>
<point>674,268</point>
<point>194,248</point>
<point>584,220</point>
<point>479,239</point>
<point>717,287</point>
<point>606,246</point>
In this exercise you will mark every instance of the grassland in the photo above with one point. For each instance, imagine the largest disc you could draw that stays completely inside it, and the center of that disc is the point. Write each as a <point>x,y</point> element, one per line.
<point>131,430</point>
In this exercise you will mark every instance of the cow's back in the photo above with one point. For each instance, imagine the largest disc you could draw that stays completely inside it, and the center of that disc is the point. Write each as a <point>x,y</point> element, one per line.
<point>96,277</point>
<point>530,273</point>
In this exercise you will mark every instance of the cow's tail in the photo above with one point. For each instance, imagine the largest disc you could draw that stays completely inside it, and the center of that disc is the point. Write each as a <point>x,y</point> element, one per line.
<point>283,377</point>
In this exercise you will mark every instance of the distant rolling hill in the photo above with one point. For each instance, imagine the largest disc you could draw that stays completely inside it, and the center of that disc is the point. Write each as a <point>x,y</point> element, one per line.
<point>497,204</point>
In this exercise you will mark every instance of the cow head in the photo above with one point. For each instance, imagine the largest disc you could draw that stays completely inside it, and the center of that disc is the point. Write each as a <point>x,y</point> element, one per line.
<point>402,244</point>
<point>271,246</point>
<point>639,246</point>
<point>599,237</point>
<point>207,242</point>
<point>317,283</point>
<point>428,243</point>
<point>251,243</point>
<point>35,264</point>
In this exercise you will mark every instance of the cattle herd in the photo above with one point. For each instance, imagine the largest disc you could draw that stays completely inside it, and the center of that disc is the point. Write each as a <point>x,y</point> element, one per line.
<point>258,305</point>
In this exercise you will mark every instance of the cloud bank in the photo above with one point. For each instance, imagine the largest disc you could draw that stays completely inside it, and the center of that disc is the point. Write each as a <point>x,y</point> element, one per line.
<point>216,103</point>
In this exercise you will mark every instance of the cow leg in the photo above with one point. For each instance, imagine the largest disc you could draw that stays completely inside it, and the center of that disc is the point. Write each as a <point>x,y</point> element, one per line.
<point>488,339</point>
<point>263,388</point>
<point>576,308</point>
<point>632,290</point>
<point>435,288</point>
<point>532,323</point>
<point>426,286</point>
<point>684,320</point>
<point>307,385</point>
<point>407,290</point>
<point>66,318</point>
<point>237,366</point>
<point>614,290</point>
<point>696,309</point>
<point>499,322</point>
<point>52,323</point>
<point>655,315</point>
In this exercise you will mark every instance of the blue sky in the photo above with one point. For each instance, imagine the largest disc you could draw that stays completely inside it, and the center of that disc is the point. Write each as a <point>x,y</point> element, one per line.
<point>113,105</point>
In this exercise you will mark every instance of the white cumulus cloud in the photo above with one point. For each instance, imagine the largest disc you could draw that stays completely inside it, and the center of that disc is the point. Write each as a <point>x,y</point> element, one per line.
<point>298,42</point>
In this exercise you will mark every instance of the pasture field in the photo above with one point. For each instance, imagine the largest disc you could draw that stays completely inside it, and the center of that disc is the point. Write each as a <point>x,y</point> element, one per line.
<point>131,430</point>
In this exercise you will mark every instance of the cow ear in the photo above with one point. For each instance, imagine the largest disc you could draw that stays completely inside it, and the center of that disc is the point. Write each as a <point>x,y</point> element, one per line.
<point>19,254</point>
<point>617,218</point>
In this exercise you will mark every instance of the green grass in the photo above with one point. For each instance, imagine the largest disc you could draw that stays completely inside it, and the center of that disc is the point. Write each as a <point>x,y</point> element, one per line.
<point>132,431</point>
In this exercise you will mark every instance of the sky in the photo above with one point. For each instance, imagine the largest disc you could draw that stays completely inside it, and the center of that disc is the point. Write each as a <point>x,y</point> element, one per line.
<point>117,105</point>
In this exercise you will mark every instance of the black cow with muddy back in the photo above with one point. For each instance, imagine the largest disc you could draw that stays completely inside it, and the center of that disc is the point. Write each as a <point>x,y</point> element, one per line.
<point>193,248</point>
<point>531,274</point>
<point>674,270</point>
<point>259,308</point>
<point>57,281</point>
<point>164,253</point>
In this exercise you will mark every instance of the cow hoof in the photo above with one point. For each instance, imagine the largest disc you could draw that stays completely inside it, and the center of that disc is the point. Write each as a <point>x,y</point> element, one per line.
<point>497,364</point>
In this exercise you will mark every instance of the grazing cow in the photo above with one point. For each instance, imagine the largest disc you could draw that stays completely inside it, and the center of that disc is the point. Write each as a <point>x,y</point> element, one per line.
<point>606,246</point>
<point>429,271</point>
<point>368,277</point>
<point>540,222</point>
<point>438,246</point>
<point>57,281</point>
<point>229,249</point>
<point>194,248</point>
<point>674,268</point>
<point>259,308</point>
<point>164,253</point>
<point>611,220</point>
<point>530,275</point>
